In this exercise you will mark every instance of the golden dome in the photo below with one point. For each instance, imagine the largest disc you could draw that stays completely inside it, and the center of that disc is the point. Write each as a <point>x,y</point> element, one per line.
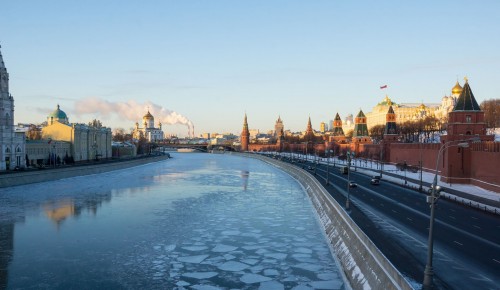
<point>457,89</point>
<point>148,116</point>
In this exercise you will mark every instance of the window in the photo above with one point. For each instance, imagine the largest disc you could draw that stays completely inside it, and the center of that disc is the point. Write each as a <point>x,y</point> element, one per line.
<point>468,119</point>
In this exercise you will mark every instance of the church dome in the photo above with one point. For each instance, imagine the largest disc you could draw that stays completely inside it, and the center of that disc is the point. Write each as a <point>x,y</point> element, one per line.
<point>148,116</point>
<point>58,114</point>
<point>457,89</point>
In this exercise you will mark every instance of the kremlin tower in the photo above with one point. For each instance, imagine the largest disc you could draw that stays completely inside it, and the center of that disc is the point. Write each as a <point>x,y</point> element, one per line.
<point>390,132</point>
<point>245,135</point>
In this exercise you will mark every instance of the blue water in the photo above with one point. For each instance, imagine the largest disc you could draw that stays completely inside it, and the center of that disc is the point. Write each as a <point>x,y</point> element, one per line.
<point>197,221</point>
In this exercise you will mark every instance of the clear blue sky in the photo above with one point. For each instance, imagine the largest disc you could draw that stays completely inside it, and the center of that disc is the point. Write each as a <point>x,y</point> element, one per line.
<point>210,61</point>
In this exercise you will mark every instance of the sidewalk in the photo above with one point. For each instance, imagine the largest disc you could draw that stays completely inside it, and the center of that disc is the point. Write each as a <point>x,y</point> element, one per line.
<point>466,194</point>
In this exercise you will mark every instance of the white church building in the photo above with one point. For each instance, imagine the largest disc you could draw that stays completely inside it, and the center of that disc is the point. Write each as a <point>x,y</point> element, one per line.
<point>148,130</point>
<point>12,142</point>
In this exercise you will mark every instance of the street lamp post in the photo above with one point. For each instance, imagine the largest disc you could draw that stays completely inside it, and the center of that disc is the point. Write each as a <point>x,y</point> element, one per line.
<point>348,179</point>
<point>428,272</point>
<point>328,167</point>
<point>404,168</point>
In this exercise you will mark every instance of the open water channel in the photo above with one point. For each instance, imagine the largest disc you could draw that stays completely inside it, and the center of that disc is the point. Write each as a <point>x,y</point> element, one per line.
<point>197,221</point>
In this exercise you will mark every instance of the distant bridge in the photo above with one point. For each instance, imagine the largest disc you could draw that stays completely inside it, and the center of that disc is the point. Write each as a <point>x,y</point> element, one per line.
<point>198,147</point>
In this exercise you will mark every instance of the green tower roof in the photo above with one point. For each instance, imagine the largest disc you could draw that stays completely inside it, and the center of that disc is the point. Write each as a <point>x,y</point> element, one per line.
<point>58,113</point>
<point>466,100</point>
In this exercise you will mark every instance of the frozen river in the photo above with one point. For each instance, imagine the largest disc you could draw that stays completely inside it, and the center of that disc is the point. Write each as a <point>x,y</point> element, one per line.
<point>197,221</point>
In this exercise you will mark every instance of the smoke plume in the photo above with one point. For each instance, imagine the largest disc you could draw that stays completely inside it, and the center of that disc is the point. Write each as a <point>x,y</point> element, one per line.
<point>132,111</point>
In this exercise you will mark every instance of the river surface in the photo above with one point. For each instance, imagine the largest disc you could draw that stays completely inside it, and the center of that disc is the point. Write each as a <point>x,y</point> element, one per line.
<point>197,221</point>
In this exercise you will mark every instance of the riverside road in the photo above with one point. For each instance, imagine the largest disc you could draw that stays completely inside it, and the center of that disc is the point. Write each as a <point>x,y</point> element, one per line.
<point>466,240</point>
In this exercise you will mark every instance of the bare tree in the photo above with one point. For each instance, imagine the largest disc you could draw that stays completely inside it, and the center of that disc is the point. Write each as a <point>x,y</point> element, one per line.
<point>491,110</point>
<point>34,133</point>
<point>377,132</point>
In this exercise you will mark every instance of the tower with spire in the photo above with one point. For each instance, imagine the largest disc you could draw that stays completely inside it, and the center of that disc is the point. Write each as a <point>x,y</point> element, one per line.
<point>245,135</point>
<point>337,131</point>
<point>466,120</point>
<point>309,135</point>
<point>391,130</point>
<point>360,127</point>
<point>12,144</point>
<point>278,127</point>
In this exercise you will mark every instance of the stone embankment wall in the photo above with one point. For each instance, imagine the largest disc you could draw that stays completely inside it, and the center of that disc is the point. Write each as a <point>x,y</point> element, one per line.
<point>26,177</point>
<point>364,265</point>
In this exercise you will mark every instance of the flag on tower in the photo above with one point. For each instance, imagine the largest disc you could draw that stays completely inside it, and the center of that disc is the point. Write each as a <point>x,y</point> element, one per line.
<point>383,87</point>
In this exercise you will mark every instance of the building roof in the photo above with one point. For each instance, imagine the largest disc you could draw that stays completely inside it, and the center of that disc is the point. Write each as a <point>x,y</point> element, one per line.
<point>386,102</point>
<point>337,117</point>
<point>361,114</point>
<point>391,110</point>
<point>466,100</point>
<point>58,113</point>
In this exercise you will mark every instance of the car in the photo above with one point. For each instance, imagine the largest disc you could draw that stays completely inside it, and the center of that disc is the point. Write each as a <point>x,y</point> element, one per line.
<point>309,168</point>
<point>439,189</point>
<point>376,177</point>
<point>375,181</point>
<point>352,184</point>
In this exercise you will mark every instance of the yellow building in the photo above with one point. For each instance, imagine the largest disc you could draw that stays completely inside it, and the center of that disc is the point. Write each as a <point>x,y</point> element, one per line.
<point>41,152</point>
<point>88,142</point>
<point>413,111</point>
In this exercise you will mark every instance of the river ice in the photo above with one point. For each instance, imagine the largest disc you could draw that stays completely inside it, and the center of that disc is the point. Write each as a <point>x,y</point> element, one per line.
<point>197,221</point>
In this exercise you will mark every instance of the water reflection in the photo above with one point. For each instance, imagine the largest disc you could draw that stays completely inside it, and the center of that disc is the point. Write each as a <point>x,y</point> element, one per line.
<point>6,251</point>
<point>244,175</point>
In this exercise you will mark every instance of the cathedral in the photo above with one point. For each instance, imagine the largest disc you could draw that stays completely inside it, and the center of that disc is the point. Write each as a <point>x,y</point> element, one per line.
<point>149,131</point>
<point>12,143</point>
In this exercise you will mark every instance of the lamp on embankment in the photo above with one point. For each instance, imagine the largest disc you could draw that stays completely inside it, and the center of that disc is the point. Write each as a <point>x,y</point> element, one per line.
<point>432,199</point>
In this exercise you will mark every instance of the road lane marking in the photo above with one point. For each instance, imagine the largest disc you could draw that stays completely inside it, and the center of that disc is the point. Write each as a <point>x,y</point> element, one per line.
<point>496,261</point>
<point>452,217</point>
<point>452,210</point>
<point>474,218</point>
<point>381,204</point>
<point>458,243</point>
<point>394,211</point>
<point>476,227</point>
<point>480,278</point>
<point>409,219</point>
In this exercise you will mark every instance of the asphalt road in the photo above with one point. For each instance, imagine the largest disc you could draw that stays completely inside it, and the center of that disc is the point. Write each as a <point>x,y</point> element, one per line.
<point>466,240</point>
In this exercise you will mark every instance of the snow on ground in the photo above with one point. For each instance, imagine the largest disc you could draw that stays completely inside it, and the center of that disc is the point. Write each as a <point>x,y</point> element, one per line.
<point>371,168</point>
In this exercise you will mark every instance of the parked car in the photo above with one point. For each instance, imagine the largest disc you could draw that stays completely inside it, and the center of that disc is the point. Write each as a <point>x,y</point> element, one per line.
<point>375,181</point>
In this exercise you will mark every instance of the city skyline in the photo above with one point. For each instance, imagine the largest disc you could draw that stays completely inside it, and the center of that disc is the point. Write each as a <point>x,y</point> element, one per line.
<point>210,62</point>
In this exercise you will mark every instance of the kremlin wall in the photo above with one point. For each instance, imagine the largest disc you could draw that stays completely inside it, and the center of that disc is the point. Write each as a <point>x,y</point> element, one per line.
<point>474,161</point>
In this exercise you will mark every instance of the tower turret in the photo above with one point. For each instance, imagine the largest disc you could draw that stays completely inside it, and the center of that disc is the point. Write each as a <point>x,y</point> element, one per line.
<point>390,132</point>
<point>467,119</point>
<point>337,126</point>
<point>245,135</point>
<point>360,127</point>
<point>309,131</point>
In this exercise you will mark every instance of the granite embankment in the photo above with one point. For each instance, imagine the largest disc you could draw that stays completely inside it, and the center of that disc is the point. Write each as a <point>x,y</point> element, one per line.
<point>48,174</point>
